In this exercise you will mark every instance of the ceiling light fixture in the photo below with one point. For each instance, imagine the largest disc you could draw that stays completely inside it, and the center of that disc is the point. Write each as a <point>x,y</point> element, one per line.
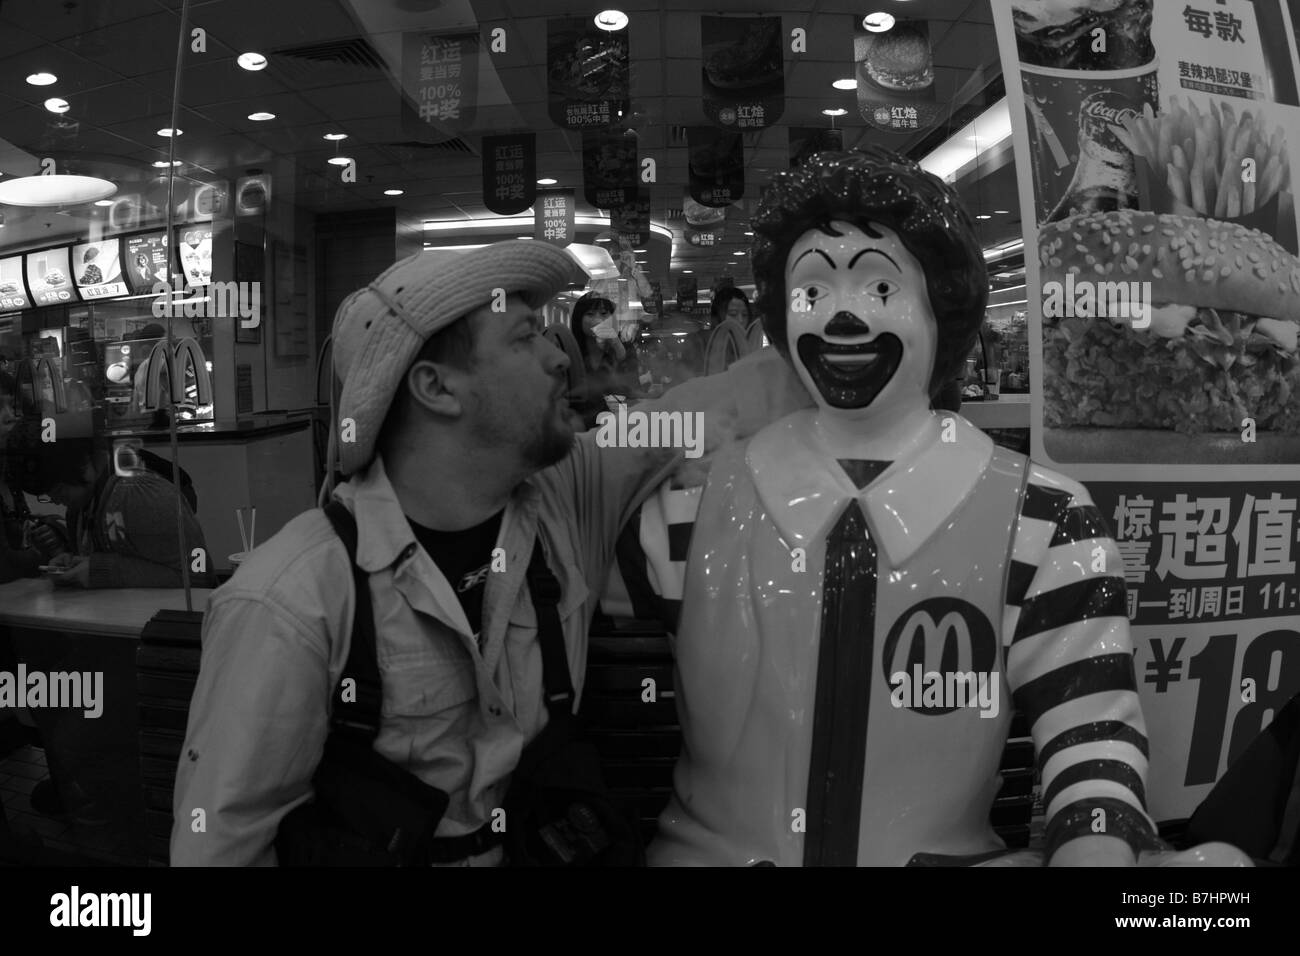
<point>688,271</point>
<point>983,215</point>
<point>848,83</point>
<point>335,137</point>
<point>547,181</point>
<point>737,253</point>
<point>339,160</point>
<point>168,131</point>
<point>611,21</point>
<point>42,79</point>
<point>835,112</point>
<point>1002,212</point>
<point>56,105</point>
<point>55,190</point>
<point>524,222</point>
<point>103,202</point>
<point>261,116</point>
<point>955,153</point>
<point>879,22</point>
<point>163,164</point>
<point>394,192</point>
<point>251,61</point>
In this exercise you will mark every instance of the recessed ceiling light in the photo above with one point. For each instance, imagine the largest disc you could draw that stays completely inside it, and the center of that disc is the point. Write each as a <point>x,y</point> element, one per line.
<point>103,202</point>
<point>835,112</point>
<point>688,270</point>
<point>984,216</point>
<point>737,253</point>
<point>168,131</point>
<point>846,84</point>
<point>611,20</point>
<point>749,233</point>
<point>878,22</point>
<point>1002,212</point>
<point>56,105</point>
<point>547,181</point>
<point>339,160</point>
<point>251,61</point>
<point>638,250</point>
<point>55,190</point>
<point>335,136</point>
<point>163,164</point>
<point>261,116</point>
<point>42,79</point>
<point>394,192</point>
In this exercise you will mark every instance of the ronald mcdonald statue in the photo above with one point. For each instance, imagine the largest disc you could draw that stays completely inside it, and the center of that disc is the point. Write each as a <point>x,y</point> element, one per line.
<point>869,587</point>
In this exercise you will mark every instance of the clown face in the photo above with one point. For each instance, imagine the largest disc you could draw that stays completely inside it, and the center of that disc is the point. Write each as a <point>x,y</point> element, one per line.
<point>861,333</point>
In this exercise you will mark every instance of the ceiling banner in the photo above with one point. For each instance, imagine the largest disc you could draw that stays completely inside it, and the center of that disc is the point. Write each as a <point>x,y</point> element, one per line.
<point>609,168</point>
<point>510,173</point>
<point>555,217</point>
<point>895,74</point>
<point>439,85</point>
<point>587,77</point>
<point>744,71</point>
<point>717,165</point>
<point>632,219</point>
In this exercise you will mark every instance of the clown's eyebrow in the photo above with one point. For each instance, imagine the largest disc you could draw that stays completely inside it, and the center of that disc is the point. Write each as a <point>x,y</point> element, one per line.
<point>854,260</point>
<point>820,252</point>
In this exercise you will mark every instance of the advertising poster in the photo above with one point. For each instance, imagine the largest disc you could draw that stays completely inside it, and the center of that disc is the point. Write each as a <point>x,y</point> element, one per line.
<point>609,168</point>
<point>13,293</point>
<point>509,173</point>
<point>97,267</point>
<point>556,216</point>
<point>439,85</point>
<point>716,165</point>
<point>807,141</point>
<point>632,219</point>
<point>744,71</point>
<point>587,76</point>
<point>895,73</point>
<point>49,277</point>
<point>705,225</point>
<point>1164,306</point>
<point>194,248</point>
<point>146,262</point>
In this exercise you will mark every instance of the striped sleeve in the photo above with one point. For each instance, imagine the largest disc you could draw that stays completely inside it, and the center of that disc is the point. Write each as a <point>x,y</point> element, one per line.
<point>1069,663</point>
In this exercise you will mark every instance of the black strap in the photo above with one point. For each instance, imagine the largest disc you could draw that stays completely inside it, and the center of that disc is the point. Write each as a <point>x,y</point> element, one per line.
<point>545,592</point>
<point>359,718</point>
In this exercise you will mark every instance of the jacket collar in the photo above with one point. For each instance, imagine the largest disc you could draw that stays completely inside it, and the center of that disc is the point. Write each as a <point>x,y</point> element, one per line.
<point>803,490</point>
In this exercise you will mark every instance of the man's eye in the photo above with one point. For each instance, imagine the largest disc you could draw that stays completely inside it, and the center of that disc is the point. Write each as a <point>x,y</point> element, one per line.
<point>882,288</point>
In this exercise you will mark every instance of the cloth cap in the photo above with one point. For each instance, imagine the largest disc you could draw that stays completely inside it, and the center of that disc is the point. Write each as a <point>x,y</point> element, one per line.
<point>379,330</point>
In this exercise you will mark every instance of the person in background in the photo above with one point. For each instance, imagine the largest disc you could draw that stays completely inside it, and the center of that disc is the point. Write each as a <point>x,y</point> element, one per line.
<point>611,365</point>
<point>124,528</point>
<point>16,560</point>
<point>731,303</point>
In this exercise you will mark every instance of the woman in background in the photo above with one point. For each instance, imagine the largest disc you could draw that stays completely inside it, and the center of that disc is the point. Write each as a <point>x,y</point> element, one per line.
<point>611,365</point>
<point>731,303</point>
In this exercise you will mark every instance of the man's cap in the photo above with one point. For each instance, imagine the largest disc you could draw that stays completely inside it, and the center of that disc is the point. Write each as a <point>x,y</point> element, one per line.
<point>379,330</point>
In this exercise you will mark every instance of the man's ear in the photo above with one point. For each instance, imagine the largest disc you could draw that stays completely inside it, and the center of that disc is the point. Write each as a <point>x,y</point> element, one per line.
<point>436,387</point>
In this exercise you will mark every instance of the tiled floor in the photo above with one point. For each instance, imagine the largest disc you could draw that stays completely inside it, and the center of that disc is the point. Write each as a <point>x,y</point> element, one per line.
<point>20,771</point>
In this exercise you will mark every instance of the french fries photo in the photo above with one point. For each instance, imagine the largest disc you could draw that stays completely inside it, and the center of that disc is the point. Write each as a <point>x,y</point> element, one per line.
<point>1199,156</point>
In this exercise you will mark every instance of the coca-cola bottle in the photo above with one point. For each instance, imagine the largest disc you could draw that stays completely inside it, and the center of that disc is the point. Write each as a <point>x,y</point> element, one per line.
<point>1105,178</point>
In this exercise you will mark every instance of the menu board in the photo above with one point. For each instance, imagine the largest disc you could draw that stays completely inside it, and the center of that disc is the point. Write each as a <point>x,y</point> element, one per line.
<point>194,248</point>
<point>97,268</point>
<point>13,292</point>
<point>49,277</point>
<point>145,262</point>
<point>1155,145</point>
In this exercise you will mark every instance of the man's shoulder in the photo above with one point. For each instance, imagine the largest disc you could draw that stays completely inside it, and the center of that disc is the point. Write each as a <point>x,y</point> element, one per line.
<point>302,565</point>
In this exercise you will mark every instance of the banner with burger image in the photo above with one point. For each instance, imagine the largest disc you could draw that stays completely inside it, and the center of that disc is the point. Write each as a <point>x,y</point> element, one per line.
<point>716,165</point>
<point>587,74</point>
<point>609,168</point>
<point>894,66</point>
<point>743,71</point>
<point>706,226</point>
<point>1163,291</point>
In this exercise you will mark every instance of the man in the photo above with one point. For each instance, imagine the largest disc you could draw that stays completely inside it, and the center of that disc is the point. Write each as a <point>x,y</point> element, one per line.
<point>459,444</point>
<point>871,586</point>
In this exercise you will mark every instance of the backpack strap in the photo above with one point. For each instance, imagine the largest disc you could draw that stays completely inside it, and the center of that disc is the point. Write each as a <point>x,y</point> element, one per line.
<point>359,717</point>
<point>544,589</point>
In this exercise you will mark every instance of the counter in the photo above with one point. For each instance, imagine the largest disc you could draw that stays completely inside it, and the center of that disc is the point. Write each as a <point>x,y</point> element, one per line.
<point>36,603</point>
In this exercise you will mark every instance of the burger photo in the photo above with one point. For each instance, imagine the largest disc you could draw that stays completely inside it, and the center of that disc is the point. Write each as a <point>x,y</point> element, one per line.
<point>899,61</point>
<point>1214,346</point>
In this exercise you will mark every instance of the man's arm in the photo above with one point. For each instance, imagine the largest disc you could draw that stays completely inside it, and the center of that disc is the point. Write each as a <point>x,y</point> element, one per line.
<point>257,729</point>
<point>1070,668</point>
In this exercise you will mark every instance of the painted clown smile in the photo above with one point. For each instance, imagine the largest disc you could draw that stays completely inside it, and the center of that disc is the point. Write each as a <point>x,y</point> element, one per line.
<point>850,376</point>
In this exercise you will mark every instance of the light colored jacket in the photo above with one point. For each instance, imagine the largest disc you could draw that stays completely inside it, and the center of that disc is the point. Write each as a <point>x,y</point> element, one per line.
<point>276,637</point>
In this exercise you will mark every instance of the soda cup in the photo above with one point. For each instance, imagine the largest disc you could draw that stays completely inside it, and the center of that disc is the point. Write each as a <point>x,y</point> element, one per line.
<point>1080,165</point>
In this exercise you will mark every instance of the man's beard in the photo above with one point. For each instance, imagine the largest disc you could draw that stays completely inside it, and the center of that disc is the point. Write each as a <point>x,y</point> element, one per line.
<point>550,444</point>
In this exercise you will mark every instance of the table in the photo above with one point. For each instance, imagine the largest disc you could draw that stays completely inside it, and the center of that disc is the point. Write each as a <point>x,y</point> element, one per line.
<point>37,603</point>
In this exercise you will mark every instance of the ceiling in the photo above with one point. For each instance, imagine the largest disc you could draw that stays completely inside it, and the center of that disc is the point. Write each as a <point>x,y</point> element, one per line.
<point>335,65</point>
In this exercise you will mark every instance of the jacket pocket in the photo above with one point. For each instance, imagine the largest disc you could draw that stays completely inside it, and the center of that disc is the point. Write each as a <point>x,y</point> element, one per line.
<point>419,688</point>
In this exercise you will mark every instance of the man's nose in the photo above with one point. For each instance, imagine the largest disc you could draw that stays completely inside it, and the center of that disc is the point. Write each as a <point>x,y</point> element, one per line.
<point>846,323</point>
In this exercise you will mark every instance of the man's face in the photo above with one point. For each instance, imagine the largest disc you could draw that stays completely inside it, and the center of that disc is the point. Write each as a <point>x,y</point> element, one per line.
<point>517,392</point>
<point>866,337</point>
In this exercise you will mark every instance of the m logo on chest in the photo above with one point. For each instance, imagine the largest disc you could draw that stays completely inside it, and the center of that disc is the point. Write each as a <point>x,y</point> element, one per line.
<point>940,655</point>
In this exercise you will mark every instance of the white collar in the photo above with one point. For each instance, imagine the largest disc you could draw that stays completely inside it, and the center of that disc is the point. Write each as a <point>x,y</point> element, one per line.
<point>803,490</point>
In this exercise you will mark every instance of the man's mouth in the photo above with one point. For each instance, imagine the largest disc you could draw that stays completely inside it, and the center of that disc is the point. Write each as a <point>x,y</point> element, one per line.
<point>850,376</point>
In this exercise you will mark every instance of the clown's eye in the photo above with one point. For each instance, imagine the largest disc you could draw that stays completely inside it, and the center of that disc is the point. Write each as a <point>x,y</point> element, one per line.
<point>883,288</point>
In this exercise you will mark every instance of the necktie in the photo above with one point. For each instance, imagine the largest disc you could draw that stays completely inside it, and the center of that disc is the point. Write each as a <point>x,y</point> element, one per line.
<point>843,694</point>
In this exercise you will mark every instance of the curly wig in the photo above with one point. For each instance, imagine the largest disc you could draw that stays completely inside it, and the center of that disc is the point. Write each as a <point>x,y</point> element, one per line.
<point>869,187</point>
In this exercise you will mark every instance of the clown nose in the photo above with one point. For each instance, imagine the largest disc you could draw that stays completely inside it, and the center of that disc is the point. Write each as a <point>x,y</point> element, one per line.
<point>846,323</point>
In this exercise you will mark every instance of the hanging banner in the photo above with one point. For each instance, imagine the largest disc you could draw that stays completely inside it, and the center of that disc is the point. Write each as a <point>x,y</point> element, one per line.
<point>805,142</point>
<point>744,71</point>
<point>688,291</point>
<point>555,217</point>
<point>510,173</point>
<point>716,165</point>
<point>609,168</point>
<point>1164,308</point>
<point>705,225</point>
<point>895,73</point>
<point>439,85</point>
<point>587,76</point>
<point>632,219</point>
